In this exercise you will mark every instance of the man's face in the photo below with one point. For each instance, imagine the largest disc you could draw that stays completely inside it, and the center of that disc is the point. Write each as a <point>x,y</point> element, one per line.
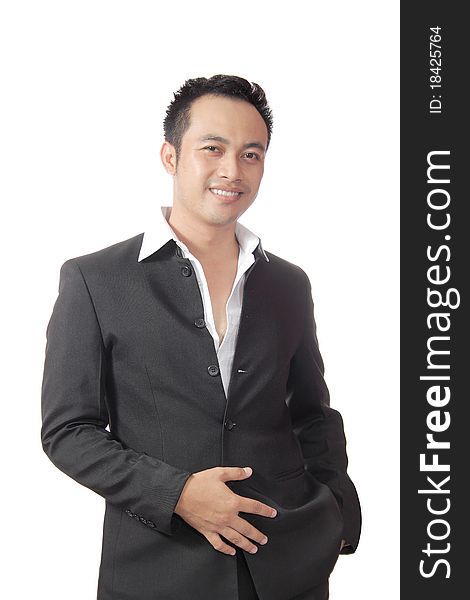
<point>221,162</point>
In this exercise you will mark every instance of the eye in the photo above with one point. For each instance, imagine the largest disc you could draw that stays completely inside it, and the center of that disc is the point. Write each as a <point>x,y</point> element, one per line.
<point>210,148</point>
<point>251,155</point>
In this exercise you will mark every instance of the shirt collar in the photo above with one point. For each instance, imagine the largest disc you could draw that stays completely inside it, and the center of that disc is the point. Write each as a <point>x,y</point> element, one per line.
<point>161,232</point>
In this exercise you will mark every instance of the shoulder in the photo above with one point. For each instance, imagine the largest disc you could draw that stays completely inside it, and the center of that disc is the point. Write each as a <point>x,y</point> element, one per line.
<point>286,270</point>
<point>99,269</point>
<point>117,256</point>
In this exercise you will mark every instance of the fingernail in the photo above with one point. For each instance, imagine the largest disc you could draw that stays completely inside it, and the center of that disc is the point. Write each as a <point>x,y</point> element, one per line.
<point>254,550</point>
<point>274,513</point>
<point>248,470</point>
<point>264,540</point>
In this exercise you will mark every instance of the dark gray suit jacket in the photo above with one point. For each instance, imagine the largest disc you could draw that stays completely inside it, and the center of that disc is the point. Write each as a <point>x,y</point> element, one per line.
<point>127,348</point>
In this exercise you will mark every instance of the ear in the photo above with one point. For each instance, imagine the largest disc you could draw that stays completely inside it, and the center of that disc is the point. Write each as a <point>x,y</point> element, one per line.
<point>168,157</point>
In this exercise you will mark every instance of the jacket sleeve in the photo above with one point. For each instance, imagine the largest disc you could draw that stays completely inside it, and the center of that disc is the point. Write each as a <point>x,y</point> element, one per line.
<point>75,416</point>
<point>319,428</point>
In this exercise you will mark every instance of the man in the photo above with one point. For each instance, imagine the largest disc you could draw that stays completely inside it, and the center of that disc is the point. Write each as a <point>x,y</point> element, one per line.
<point>198,349</point>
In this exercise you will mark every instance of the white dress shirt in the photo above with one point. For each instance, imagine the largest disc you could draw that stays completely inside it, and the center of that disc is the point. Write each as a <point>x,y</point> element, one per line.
<point>161,233</point>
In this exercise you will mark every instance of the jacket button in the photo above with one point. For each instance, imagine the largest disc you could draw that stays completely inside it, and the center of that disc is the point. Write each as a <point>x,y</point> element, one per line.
<point>200,323</point>
<point>186,271</point>
<point>213,370</point>
<point>229,424</point>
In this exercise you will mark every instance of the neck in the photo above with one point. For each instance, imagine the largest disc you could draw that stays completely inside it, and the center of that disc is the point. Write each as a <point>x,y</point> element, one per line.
<point>216,243</point>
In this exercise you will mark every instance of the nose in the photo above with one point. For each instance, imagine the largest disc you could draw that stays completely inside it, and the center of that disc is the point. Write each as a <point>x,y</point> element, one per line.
<point>229,167</point>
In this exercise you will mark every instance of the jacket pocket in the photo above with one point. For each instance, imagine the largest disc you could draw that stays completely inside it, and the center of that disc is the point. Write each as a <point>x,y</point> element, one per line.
<point>290,474</point>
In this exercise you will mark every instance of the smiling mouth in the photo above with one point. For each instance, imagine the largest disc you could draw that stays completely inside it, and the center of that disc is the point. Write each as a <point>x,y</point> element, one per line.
<point>224,193</point>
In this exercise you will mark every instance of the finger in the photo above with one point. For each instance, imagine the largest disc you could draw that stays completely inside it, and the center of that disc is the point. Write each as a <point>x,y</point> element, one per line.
<point>250,505</point>
<point>239,540</point>
<point>234,473</point>
<point>248,530</point>
<point>218,544</point>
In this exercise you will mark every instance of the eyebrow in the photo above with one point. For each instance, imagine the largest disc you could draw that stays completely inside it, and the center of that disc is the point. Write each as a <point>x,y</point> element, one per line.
<point>222,140</point>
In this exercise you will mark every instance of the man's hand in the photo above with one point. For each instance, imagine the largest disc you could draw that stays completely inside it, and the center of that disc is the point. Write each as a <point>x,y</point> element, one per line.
<point>211,507</point>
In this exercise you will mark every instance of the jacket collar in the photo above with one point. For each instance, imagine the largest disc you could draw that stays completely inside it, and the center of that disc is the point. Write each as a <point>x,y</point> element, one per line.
<point>161,232</point>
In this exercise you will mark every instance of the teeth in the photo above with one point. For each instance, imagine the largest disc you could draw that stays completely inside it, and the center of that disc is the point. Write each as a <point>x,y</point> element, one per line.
<point>224,193</point>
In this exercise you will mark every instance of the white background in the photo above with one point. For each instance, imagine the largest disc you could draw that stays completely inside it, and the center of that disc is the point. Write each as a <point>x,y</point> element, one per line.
<point>85,86</point>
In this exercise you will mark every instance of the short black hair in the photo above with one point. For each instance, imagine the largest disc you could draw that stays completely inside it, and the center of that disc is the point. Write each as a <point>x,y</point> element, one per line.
<point>178,113</point>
